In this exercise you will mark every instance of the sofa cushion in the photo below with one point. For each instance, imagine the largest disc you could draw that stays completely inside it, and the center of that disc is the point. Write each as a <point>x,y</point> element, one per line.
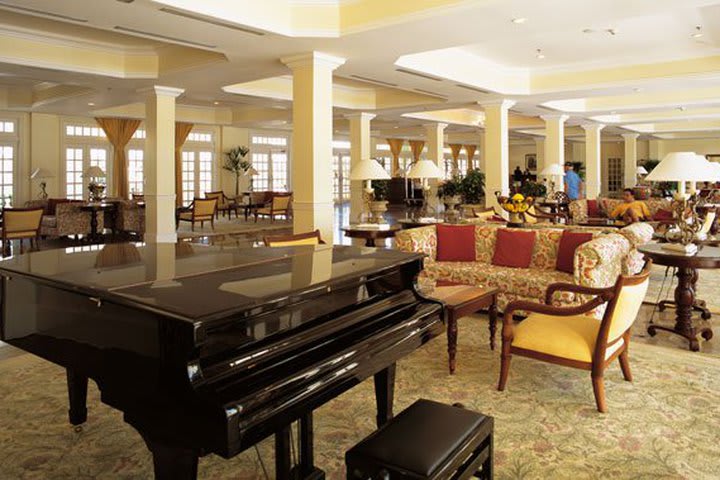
<point>49,221</point>
<point>593,210</point>
<point>569,242</point>
<point>513,248</point>
<point>456,243</point>
<point>663,215</point>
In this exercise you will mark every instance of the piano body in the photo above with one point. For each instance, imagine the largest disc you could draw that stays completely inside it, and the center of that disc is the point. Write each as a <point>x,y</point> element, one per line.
<point>209,349</point>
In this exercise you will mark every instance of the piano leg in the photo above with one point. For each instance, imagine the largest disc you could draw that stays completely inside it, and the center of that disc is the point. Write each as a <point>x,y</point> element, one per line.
<point>306,469</point>
<point>385,394</point>
<point>283,461</point>
<point>77,395</point>
<point>173,463</point>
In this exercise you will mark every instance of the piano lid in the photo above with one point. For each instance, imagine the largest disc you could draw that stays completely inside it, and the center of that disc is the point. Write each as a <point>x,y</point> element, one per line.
<point>193,281</point>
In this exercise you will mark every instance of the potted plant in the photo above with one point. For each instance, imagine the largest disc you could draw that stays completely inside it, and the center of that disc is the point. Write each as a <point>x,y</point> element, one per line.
<point>235,162</point>
<point>379,202</point>
<point>472,189</point>
<point>533,189</point>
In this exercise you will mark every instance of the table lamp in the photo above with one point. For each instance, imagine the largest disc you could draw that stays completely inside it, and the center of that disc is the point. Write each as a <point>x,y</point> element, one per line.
<point>250,173</point>
<point>424,170</point>
<point>639,172</point>
<point>96,188</point>
<point>552,170</point>
<point>367,170</point>
<point>42,174</point>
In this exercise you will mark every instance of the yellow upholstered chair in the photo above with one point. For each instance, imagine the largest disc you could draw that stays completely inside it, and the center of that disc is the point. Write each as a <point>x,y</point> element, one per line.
<point>200,210</point>
<point>309,238</point>
<point>19,224</point>
<point>567,336</point>
<point>279,205</point>
<point>224,204</point>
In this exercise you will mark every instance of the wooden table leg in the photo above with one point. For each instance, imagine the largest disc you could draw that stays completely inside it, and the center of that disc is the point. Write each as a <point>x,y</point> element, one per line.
<point>77,384</point>
<point>492,314</point>
<point>452,333</point>
<point>369,242</point>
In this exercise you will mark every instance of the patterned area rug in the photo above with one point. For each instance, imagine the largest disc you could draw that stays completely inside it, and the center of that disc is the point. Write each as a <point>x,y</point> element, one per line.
<point>663,283</point>
<point>664,425</point>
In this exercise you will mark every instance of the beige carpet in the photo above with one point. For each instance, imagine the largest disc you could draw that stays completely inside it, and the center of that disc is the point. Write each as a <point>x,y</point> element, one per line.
<point>662,426</point>
<point>224,227</point>
<point>663,283</point>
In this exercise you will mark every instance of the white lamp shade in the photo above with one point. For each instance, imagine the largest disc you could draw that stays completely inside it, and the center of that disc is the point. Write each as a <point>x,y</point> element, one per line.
<point>681,167</point>
<point>94,172</point>
<point>425,169</point>
<point>641,170</point>
<point>250,172</point>
<point>368,169</point>
<point>715,170</point>
<point>553,169</point>
<point>41,173</point>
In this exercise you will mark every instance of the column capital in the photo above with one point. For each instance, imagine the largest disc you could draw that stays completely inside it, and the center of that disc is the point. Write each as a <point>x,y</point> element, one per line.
<point>592,127</point>
<point>502,103</point>
<point>630,136</point>
<point>360,116</point>
<point>560,117</point>
<point>312,59</point>
<point>161,91</point>
<point>439,125</point>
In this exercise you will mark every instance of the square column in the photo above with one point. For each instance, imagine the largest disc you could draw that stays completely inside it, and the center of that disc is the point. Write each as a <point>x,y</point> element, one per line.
<point>312,169</point>
<point>630,164</point>
<point>360,148</point>
<point>435,141</point>
<point>496,150</point>
<point>159,165</point>
<point>592,159</point>
<point>555,144</point>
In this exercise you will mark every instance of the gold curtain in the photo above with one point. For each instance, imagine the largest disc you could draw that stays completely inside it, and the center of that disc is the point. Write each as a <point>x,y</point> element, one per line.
<point>455,149</point>
<point>396,145</point>
<point>417,147</point>
<point>119,131</point>
<point>182,130</point>
<point>470,152</point>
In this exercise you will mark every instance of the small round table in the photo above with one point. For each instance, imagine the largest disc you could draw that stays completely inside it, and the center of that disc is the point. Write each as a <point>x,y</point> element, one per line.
<point>94,208</point>
<point>370,234</point>
<point>687,275</point>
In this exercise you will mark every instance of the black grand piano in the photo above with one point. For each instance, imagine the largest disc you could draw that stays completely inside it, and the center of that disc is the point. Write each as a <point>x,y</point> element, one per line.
<point>210,349</point>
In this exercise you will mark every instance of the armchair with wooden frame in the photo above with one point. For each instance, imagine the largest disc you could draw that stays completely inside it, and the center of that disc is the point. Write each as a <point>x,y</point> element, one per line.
<point>225,204</point>
<point>20,224</point>
<point>568,336</point>
<point>307,238</point>
<point>535,215</point>
<point>279,204</point>
<point>200,210</point>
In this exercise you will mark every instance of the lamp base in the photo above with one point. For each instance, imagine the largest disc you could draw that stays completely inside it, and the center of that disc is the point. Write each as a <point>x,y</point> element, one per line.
<point>688,249</point>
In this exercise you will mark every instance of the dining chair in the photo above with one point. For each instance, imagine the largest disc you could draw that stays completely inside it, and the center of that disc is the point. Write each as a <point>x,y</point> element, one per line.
<point>200,210</point>
<point>279,205</point>
<point>306,238</point>
<point>20,224</point>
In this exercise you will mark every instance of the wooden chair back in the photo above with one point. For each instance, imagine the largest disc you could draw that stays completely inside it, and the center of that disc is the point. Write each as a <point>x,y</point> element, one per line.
<point>220,196</point>
<point>204,207</point>
<point>307,238</point>
<point>280,202</point>
<point>21,222</point>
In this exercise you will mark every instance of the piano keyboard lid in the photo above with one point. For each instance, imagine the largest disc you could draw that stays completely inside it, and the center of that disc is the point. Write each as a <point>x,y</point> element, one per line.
<point>195,282</point>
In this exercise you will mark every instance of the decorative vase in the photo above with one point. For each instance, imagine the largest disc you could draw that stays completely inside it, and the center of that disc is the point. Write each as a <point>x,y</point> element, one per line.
<point>377,208</point>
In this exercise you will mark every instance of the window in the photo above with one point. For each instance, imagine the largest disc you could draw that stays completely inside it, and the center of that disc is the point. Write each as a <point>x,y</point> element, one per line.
<point>73,173</point>
<point>341,174</point>
<point>136,178</point>
<point>84,131</point>
<point>614,174</point>
<point>261,165</point>
<point>85,146</point>
<point>7,173</point>
<point>7,127</point>
<point>139,134</point>
<point>188,177</point>
<point>197,166</point>
<point>274,141</point>
<point>199,137</point>
<point>271,161</point>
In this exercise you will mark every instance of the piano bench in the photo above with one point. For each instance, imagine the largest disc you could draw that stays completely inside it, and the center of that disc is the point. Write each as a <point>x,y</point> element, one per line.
<point>427,440</point>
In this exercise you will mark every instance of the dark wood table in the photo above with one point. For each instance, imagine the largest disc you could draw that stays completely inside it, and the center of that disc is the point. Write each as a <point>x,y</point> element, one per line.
<point>462,300</point>
<point>406,223</point>
<point>687,274</point>
<point>370,234</point>
<point>94,208</point>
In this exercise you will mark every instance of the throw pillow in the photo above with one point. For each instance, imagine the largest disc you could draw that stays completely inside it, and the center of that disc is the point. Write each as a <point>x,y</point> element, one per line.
<point>663,215</point>
<point>513,248</point>
<point>569,242</point>
<point>455,243</point>
<point>593,209</point>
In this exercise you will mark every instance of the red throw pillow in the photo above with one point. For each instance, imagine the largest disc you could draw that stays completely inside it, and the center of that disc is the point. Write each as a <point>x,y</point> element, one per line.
<point>569,242</point>
<point>455,243</point>
<point>593,209</point>
<point>663,215</point>
<point>513,248</point>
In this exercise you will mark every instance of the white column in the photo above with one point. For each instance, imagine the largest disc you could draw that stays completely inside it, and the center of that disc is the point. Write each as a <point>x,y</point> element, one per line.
<point>630,169</point>
<point>481,152</point>
<point>497,150</point>
<point>435,142</point>
<point>159,165</point>
<point>360,148</point>
<point>540,153</point>
<point>593,174</point>
<point>555,144</point>
<point>312,171</point>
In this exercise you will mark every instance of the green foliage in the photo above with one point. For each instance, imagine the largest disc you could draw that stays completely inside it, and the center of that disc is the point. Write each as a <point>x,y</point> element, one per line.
<point>380,188</point>
<point>472,186</point>
<point>660,188</point>
<point>533,189</point>
<point>449,188</point>
<point>235,160</point>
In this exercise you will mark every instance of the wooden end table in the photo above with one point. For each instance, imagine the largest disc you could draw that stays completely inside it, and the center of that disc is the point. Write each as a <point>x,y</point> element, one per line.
<point>462,300</point>
<point>94,208</point>
<point>370,234</point>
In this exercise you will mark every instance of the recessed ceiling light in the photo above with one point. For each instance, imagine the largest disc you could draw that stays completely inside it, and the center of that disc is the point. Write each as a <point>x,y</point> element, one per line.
<point>681,108</point>
<point>540,55</point>
<point>216,103</point>
<point>612,31</point>
<point>588,30</point>
<point>519,20</point>
<point>638,89</point>
<point>698,32</point>
<point>91,104</point>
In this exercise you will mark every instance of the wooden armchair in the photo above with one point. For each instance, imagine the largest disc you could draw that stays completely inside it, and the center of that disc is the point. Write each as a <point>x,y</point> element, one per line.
<point>225,205</point>
<point>308,238</point>
<point>279,205</point>
<point>535,215</point>
<point>566,336</point>
<point>19,224</point>
<point>200,210</point>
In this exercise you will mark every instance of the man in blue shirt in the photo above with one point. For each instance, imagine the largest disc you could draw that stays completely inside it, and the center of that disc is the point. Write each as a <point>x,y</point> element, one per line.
<point>574,186</point>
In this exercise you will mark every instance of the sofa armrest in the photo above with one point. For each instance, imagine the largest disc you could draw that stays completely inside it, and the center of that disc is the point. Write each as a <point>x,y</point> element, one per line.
<point>418,240</point>
<point>578,211</point>
<point>638,233</point>
<point>598,262</point>
<point>73,221</point>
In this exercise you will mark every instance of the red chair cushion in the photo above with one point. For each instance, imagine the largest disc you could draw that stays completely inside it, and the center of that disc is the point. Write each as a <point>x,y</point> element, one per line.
<point>663,215</point>
<point>593,209</point>
<point>455,243</point>
<point>569,242</point>
<point>513,248</point>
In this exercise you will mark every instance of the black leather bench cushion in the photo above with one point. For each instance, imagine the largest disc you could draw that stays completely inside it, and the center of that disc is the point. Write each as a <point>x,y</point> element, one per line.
<point>419,438</point>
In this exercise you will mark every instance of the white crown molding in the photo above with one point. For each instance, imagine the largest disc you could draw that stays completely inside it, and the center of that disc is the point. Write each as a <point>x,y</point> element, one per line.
<point>162,91</point>
<point>630,136</point>
<point>314,59</point>
<point>360,115</point>
<point>592,127</point>
<point>560,117</point>
<point>503,103</point>
<point>107,72</point>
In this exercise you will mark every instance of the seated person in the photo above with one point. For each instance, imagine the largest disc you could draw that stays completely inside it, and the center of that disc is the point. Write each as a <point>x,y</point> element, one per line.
<point>631,210</point>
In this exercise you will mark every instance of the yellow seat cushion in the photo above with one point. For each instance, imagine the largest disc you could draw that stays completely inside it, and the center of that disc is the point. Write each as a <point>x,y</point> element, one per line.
<point>292,243</point>
<point>186,216</point>
<point>570,337</point>
<point>265,211</point>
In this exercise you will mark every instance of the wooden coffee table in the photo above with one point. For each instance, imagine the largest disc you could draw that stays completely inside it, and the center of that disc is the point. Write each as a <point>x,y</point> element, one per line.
<point>462,300</point>
<point>371,234</point>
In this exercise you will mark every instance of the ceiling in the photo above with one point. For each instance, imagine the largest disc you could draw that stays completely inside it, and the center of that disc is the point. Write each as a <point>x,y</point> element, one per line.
<point>641,66</point>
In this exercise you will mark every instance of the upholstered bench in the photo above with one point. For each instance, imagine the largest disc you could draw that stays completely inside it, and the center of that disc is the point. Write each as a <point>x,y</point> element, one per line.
<point>428,440</point>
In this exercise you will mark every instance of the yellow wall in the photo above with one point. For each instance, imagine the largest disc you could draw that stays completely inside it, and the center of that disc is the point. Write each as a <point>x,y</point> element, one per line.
<point>699,146</point>
<point>44,152</point>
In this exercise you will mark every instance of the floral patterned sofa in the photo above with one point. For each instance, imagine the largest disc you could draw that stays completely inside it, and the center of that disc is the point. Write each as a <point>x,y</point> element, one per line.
<point>597,263</point>
<point>63,217</point>
<point>579,208</point>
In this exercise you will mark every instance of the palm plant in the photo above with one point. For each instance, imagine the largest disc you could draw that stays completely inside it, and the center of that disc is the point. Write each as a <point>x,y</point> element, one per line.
<point>235,162</point>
